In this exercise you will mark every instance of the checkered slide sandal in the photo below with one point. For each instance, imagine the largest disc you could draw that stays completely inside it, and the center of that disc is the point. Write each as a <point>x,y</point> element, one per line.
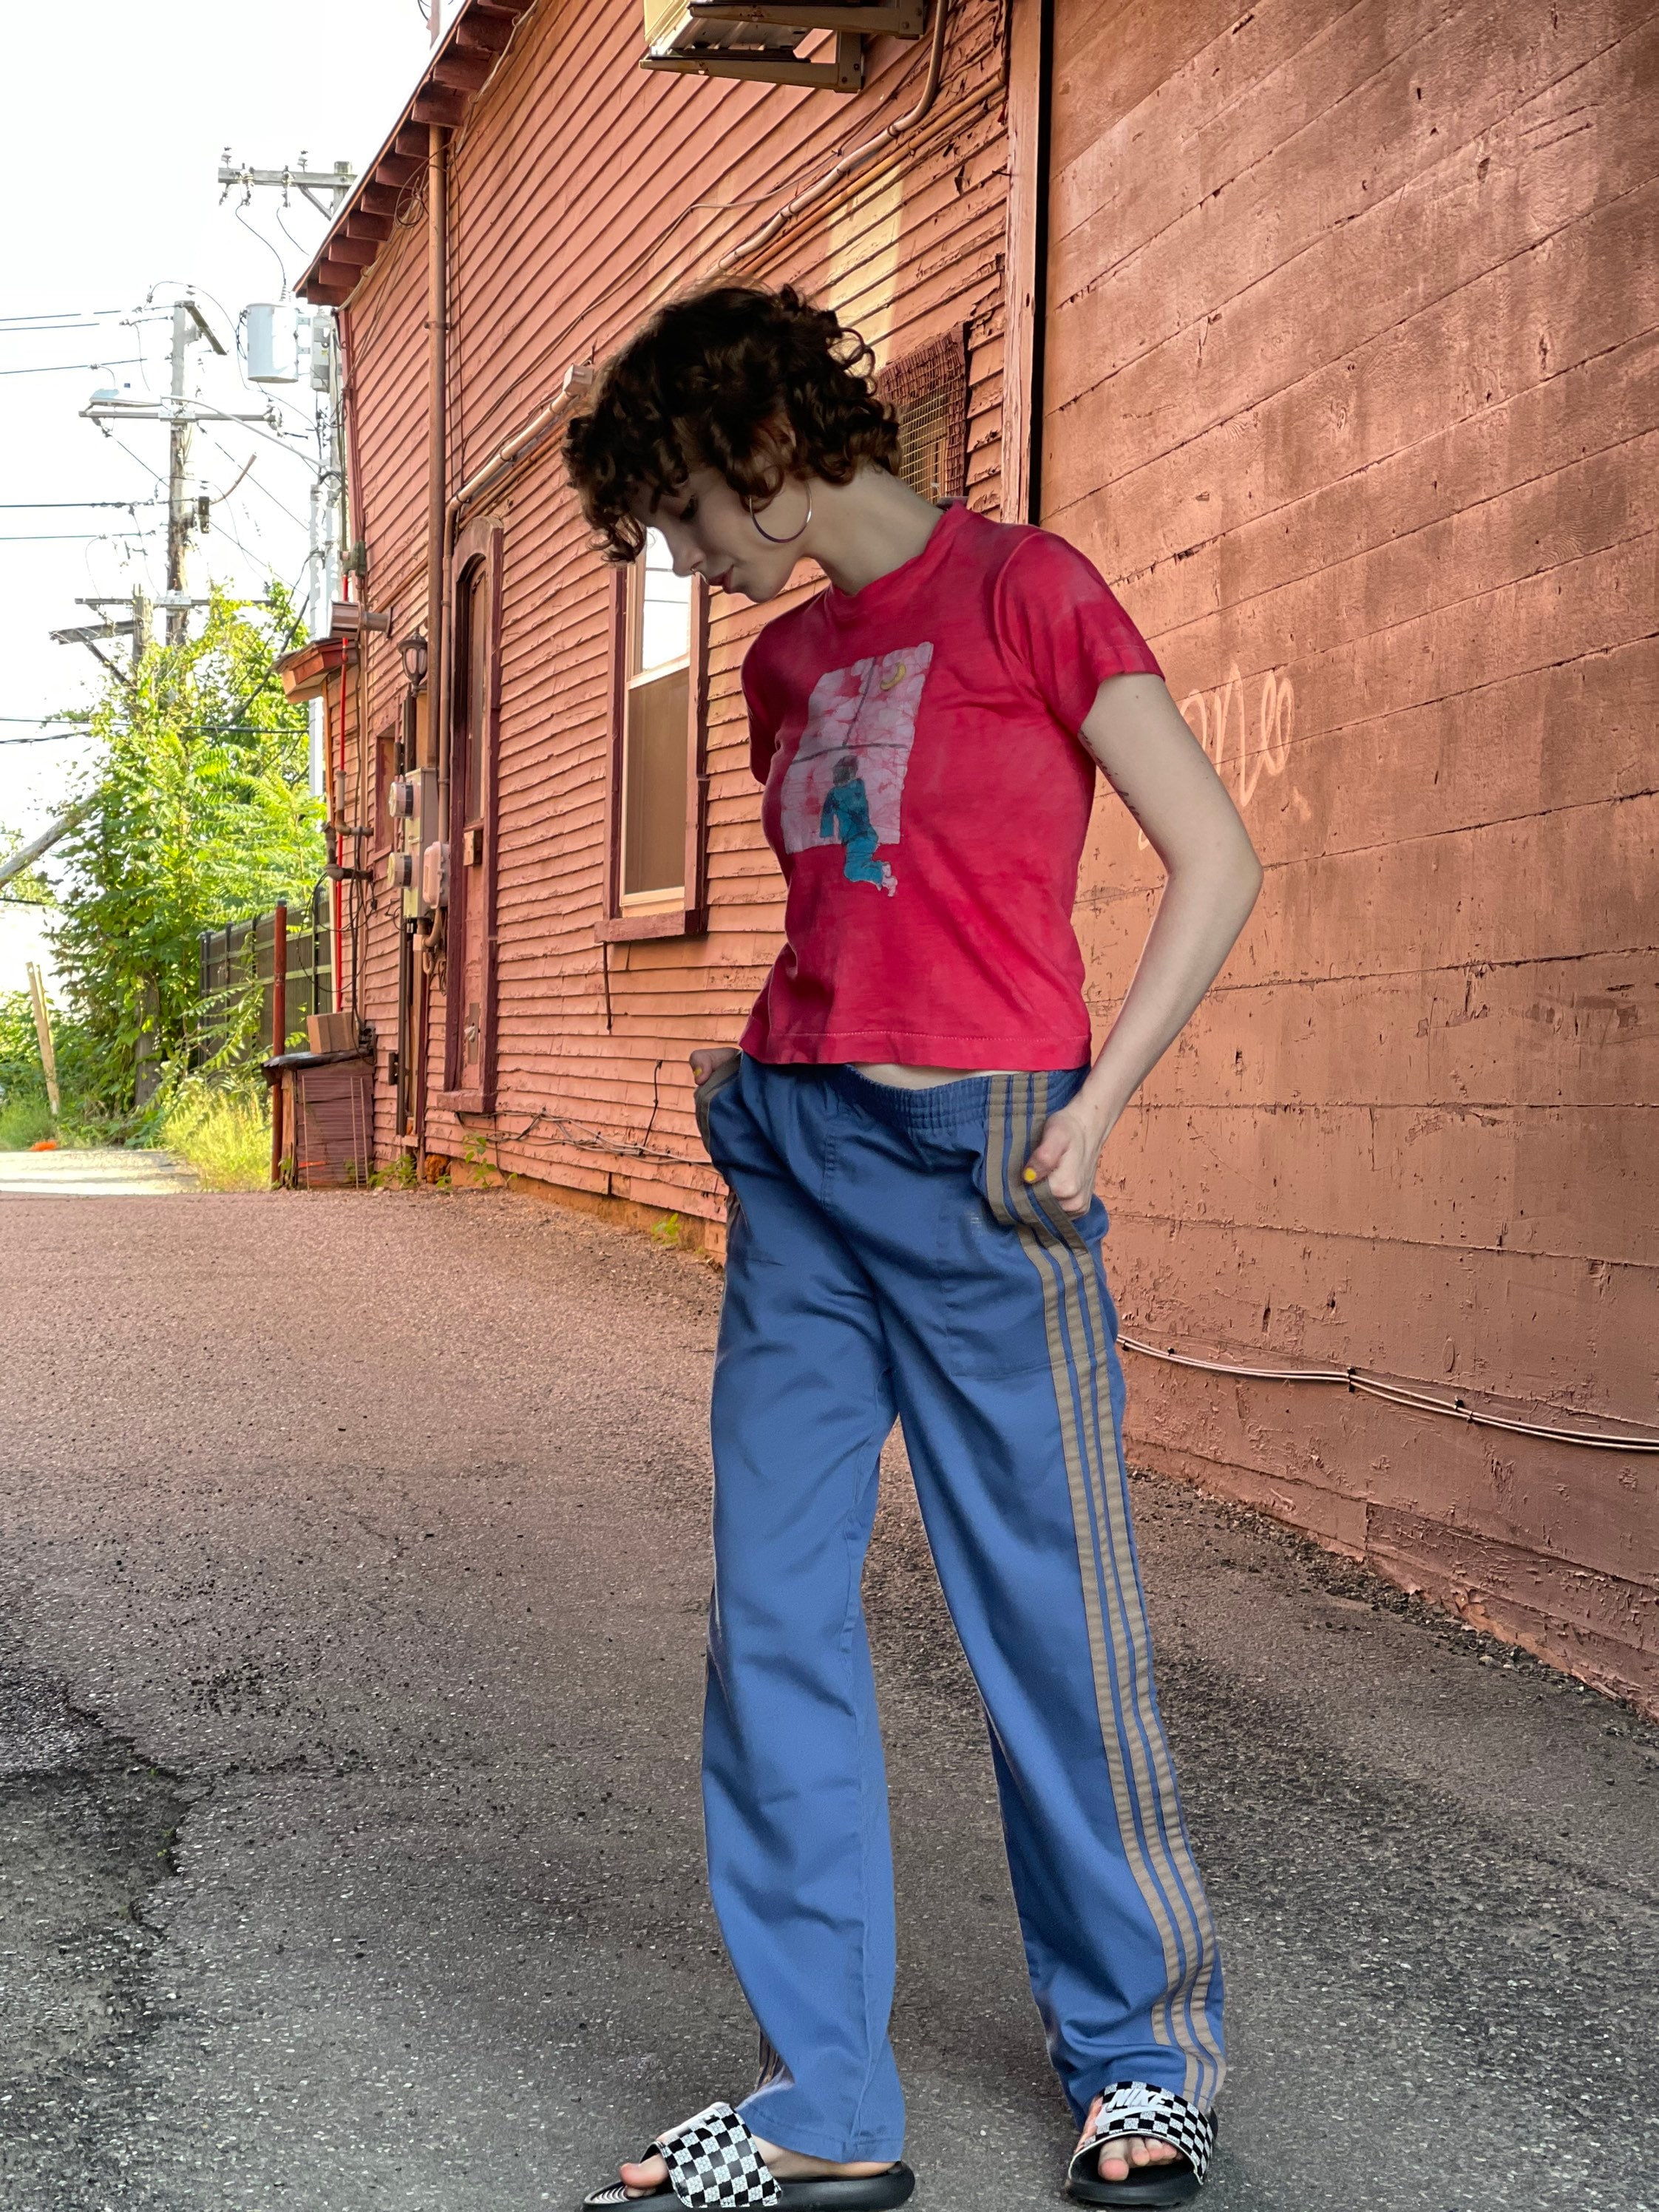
<point>1134,2108</point>
<point>714,2166</point>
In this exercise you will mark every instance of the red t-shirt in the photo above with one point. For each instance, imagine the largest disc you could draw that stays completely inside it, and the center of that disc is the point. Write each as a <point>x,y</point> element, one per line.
<point>927,797</point>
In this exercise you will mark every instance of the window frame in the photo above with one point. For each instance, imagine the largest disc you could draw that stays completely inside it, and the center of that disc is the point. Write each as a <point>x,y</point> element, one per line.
<point>388,743</point>
<point>620,922</point>
<point>936,369</point>
<point>478,546</point>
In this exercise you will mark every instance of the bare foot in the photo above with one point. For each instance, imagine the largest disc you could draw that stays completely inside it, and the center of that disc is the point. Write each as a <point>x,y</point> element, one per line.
<point>641,2176</point>
<point>1120,2153</point>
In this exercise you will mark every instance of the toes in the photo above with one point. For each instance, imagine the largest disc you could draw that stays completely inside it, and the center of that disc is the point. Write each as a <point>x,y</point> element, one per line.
<point>1121,2153</point>
<point>643,2175</point>
<point>1147,2150</point>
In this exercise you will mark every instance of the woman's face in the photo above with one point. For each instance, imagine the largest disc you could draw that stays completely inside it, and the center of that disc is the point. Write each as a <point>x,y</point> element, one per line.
<point>710,533</point>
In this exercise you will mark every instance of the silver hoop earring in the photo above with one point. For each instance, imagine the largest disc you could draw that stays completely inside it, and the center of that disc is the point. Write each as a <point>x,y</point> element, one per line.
<point>767,534</point>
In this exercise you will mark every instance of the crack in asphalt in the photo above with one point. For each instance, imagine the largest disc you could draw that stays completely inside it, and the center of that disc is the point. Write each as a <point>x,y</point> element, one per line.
<point>88,1829</point>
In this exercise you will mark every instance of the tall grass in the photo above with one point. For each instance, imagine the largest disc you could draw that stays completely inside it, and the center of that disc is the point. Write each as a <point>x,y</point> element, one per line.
<point>23,1122</point>
<point>223,1130</point>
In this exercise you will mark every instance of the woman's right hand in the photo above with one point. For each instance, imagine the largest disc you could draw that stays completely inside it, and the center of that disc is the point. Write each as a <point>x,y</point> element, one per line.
<point>708,1057</point>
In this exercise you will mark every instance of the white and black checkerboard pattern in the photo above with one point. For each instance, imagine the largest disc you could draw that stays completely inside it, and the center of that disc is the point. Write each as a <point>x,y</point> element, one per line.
<point>713,2162</point>
<point>1135,2108</point>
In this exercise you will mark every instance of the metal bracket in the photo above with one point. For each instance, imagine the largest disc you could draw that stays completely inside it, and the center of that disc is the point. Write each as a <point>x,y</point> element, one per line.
<point>844,74</point>
<point>897,19</point>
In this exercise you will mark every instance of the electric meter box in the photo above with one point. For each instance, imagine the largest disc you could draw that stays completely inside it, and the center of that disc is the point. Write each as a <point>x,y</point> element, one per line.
<point>322,349</point>
<point>412,804</point>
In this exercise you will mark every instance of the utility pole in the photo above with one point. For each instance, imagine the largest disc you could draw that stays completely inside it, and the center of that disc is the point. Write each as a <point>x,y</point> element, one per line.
<point>25,855</point>
<point>189,327</point>
<point>177,461</point>
<point>43,1031</point>
<point>139,629</point>
<point>87,634</point>
<point>336,182</point>
<point>326,560</point>
<point>180,413</point>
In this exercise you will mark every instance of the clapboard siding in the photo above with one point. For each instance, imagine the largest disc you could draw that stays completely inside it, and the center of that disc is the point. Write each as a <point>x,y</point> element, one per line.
<point>574,185</point>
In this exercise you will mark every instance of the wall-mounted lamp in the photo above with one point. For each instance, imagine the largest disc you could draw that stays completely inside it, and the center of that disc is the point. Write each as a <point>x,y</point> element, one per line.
<point>411,650</point>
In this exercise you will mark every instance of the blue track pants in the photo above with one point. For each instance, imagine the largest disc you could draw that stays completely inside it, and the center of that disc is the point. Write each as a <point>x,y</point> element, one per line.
<point>885,1258</point>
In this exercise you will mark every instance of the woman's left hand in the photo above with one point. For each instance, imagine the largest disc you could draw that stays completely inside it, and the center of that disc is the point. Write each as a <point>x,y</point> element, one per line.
<point>1067,1152</point>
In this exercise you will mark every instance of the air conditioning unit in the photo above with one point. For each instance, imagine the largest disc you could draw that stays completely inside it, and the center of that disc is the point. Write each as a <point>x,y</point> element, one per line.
<point>762,38</point>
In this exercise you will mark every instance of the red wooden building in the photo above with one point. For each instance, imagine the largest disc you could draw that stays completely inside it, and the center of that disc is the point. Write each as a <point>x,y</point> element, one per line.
<point>1319,328</point>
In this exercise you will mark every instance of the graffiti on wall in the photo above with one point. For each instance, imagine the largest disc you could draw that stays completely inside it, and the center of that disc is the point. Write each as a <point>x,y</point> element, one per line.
<point>1244,748</point>
<point>1220,720</point>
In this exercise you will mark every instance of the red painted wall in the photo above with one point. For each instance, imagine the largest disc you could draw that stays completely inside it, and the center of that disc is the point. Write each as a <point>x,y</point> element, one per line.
<point>1351,314</point>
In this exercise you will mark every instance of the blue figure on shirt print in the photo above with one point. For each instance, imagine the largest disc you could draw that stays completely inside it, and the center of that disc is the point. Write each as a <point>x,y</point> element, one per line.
<point>844,785</point>
<point>845,815</point>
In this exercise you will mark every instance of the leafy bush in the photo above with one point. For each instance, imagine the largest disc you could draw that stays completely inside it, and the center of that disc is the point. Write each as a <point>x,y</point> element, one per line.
<point>21,1076</point>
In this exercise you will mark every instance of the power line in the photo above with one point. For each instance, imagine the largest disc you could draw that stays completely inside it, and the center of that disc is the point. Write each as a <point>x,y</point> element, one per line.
<point>256,484</point>
<point>81,537</point>
<point>65,314</point>
<point>66,368</point>
<point>193,730</point>
<point>136,459</point>
<point>38,506</point>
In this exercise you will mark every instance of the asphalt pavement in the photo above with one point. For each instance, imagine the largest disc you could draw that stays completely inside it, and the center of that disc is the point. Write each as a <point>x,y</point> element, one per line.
<point>353,1569</point>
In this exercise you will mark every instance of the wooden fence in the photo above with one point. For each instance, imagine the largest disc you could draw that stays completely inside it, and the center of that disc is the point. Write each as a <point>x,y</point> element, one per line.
<point>241,957</point>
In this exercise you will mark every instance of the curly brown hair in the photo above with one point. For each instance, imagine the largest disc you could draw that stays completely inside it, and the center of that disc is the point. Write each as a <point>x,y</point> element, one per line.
<point>706,384</point>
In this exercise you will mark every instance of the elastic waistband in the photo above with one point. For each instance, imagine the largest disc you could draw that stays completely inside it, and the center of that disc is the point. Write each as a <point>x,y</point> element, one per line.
<point>943,1108</point>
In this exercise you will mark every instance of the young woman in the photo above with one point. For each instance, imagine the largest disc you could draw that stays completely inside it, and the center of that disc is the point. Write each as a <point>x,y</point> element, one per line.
<point>911,1129</point>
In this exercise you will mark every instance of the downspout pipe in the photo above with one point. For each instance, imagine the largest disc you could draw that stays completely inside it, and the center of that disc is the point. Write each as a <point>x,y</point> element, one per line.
<point>278,1031</point>
<point>437,495</point>
<point>437,546</point>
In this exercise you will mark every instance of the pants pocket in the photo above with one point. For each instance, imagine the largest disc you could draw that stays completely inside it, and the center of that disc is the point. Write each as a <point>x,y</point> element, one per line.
<point>1006,1265</point>
<point>705,1095</point>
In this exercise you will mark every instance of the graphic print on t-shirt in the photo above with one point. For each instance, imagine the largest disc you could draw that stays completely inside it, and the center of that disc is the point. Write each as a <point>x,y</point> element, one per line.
<point>844,784</point>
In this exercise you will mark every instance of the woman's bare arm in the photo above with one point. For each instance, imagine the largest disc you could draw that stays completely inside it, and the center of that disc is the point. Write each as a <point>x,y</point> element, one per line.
<point>1163,775</point>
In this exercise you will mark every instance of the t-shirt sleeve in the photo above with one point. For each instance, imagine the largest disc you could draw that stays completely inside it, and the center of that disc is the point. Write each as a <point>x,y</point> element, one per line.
<point>1057,617</point>
<point>764,717</point>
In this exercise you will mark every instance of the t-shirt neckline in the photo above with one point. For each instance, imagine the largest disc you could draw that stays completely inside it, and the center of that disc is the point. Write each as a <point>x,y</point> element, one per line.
<point>883,593</point>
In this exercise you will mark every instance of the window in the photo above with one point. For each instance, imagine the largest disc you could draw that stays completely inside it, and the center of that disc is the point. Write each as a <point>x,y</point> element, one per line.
<point>928,390</point>
<point>386,767</point>
<point>656,859</point>
<point>472,691</point>
<point>653,732</point>
<point>472,641</point>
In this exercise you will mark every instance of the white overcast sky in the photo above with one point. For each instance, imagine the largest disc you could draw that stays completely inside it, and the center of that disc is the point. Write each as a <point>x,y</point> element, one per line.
<point>108,175</point>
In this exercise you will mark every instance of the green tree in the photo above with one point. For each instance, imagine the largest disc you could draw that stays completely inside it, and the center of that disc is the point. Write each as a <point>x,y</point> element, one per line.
<point>200,815</point>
